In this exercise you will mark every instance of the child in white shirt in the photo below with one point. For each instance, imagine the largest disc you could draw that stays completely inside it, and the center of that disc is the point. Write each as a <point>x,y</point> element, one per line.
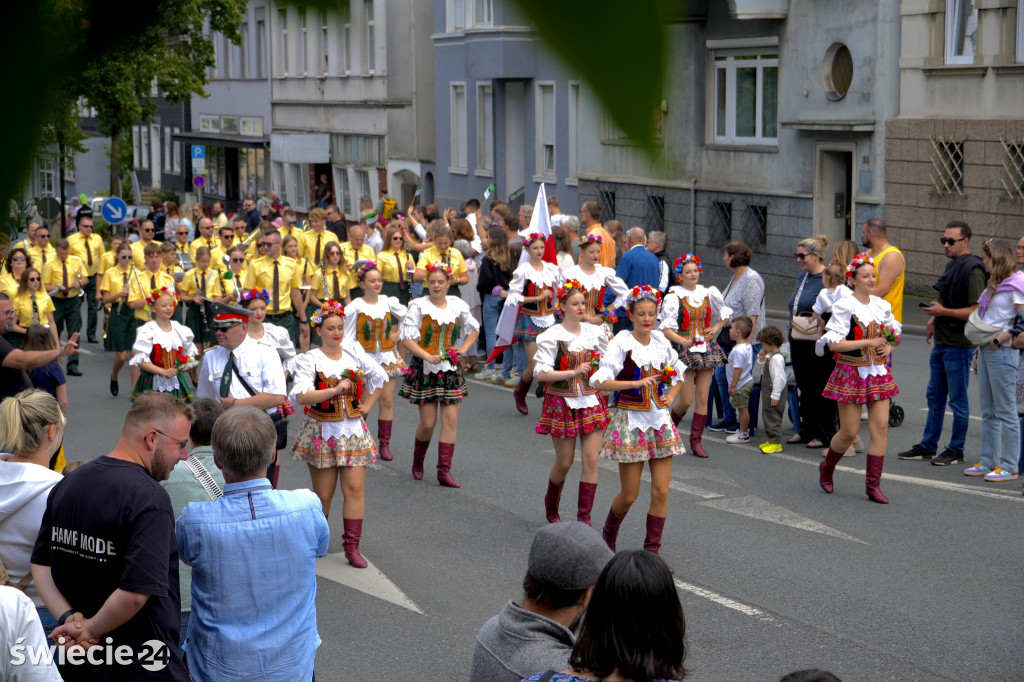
<point>738,370</point>
<point>834,279</point>
<point>773,385</point>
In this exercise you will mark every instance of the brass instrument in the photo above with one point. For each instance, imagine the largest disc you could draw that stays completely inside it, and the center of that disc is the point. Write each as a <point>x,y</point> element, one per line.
<point>142,289</point>
<point>244,245</point>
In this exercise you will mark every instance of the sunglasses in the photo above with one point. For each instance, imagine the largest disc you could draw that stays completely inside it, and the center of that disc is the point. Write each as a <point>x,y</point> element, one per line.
<point>181,233</point>
<point>17,258</point>
<point>800,256</point>
<point>33,279</point>
<point>290,222</point>
<point>237,260</point>
<point>42,236</point>
<point>262,245</point>
<point>949,242</point>
<point>126,257</point>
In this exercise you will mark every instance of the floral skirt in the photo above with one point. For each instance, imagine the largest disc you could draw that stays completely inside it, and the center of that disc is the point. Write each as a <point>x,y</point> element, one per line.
<point>145,383</point>
<point>526,330</point>
<point>347,451</point>
<point>710,359</point>
<point>846,386</point>
<point>447,388</point>
<point>624,444</point>
<point>561,421</point>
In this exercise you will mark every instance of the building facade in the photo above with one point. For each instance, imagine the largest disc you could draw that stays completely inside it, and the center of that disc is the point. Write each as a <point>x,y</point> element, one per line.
<point>771,129</point>
<point>507,109</point>
<point>956,150</point>
<point>157,150</point>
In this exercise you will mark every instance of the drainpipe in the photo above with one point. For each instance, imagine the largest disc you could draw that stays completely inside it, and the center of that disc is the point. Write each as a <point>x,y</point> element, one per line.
<point>693,215</point>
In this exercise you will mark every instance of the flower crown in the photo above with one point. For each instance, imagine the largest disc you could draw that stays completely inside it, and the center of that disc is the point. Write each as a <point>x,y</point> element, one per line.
<point>440,267</point>
<point>588,239</point>
<point>365,268</point>
<point>643,292</point>
<point>532,237</point>
<point>326,310</point>
<point>677,266</point>
<point>568,286</point>
<point>858,260</point>
<point>155,294</point>
<point>248,295</point>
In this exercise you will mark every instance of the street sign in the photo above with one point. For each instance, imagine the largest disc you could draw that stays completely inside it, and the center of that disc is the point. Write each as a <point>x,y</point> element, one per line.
<point>198,158</point>
<point>198,181</point>
<point>49,208</point>
<point>115,211</point>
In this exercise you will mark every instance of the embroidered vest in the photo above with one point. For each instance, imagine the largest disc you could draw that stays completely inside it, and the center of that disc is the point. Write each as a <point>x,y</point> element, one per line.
<point>566,360</point>
<point>642,399</point>
<point>436,338</point>
<point>595,300</point>
<point>694,321</point>
<point>374,334</point>
<point>163,357</point>
<point>861,357</point>
<point>339,408</point>
<point>539,308</point>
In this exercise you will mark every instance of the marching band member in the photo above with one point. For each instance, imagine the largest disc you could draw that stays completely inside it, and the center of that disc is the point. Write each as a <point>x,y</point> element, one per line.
<point>88,246</point>
<point>396,263</point>
<point>282,277</point>
<point>198,288</point>
<point>443,252</point>
<point>163,350</point>
<point>171,265</point>
<point>331,281</point>
<point>120,323</point>
<point>17,262</point>
<point>33,306</point>
<point>63,279</point>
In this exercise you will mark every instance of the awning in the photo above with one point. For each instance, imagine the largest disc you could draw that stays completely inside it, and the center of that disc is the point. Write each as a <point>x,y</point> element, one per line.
<point>862,126</point>
<point>216,140</point>
<point>759,9</point>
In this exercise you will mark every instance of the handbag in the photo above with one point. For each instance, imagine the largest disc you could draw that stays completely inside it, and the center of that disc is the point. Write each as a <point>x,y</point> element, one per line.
<point>280,421</point>
<point>802,327</point>
<point>978,331</point>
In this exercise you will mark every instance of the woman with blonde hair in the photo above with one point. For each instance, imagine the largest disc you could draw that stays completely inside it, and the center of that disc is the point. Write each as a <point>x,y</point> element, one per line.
<point>396,263</point>
<point>33,306</point>
<point>31,430</point>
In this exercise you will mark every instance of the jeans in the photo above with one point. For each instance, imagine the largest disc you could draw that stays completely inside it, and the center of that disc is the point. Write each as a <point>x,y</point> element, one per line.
<point>491,311</point>
<point>47,620</point>
<point>997,392</point>
<point>186,616</point>
<point>518,359</point>
<point>416,289</point>
<point>949,369</point>
<point>721,386</point>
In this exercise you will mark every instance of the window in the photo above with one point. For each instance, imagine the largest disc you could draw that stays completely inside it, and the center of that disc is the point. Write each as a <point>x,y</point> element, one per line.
<point>483,12</point>
<point>277,182</point>
<point>746,97</point>
<point>358,150</point>
<point>721,224</point>
<point>346,37</point>
<point>455,11</point>
<point>47,176</point>
<point>574,124</point>
<point>229,125</point>
<point>209,124</point>
<point>368,46</point>
<point>322,52</point>
<point>261,49</point>
<point>215,169</point>
<point>252,126</point>
<point>545,133</point>
<point>136,163</point>
<point>961,31</point>
<point>458,121</point>
<point>282,24</point>
<point>144,147</point>
<point>485,128</point>
<point>363,180</point>
<point>167,148</point>
<point>948,163</point>
<point>301,182</point>
<point>303,43</point>
<point>342,190</point>
<point>176,151</point>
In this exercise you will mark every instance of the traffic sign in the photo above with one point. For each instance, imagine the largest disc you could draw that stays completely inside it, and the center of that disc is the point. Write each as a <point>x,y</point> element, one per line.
<point>198,158</point>
<point>115,211</point>
<point>198,181</point>
<point>49,208</point>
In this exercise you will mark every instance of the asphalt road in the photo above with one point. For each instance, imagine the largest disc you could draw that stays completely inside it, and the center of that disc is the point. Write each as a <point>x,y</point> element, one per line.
<point>773,574</point>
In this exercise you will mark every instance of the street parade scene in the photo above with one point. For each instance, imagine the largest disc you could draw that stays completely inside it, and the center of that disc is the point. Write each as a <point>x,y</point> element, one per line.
<point>538,408</point>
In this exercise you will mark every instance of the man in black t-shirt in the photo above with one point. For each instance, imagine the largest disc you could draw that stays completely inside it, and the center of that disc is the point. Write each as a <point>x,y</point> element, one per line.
<point>106,559</point>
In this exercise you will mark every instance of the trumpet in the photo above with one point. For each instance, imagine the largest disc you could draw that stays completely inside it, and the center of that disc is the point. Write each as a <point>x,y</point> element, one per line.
<point>244,244</point>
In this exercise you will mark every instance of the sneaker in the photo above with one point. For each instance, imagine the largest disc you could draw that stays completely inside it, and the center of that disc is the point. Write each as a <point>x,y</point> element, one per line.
<point>485,374</point>
<point>977,470</point>
<point>722,426</point>
<point>512,382</point>
<point>921,452</point>
<point>770,448</point>
<point>1000,474</point>
<point>737,438</point>
<point>948,457</point>
<point>735,428</point>
<point>498,379</point>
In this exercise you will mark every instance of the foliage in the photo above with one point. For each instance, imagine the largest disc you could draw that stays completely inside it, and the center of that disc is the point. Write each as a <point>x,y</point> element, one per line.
<point>166,195</point>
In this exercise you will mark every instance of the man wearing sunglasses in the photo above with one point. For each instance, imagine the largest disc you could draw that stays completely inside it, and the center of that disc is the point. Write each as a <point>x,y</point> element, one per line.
<point>40,251</point>
<point>147,234</point>
<point>890,265</point>
<point>949,364</point>
<point>88,246</point>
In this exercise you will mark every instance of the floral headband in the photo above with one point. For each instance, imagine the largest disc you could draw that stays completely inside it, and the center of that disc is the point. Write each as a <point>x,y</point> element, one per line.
<point>365,268</point>
<point>643,292</point>
<point>858,260</point>
<point>440,267</point>
<point>568,286</point>
<point>252,294</point>
<point>677,267</point>
<point>155,294</point>
<point>326,310</point>
<point>588,239</point>
<point>532,237</point>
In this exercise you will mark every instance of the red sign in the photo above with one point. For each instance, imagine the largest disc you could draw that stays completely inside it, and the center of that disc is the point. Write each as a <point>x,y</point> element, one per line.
<point>198,181</point>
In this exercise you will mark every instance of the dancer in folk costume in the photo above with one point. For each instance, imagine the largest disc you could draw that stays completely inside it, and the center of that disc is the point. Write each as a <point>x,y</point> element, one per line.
<point>567,354</point>
<point>643,370</point>
<point>164,350</point>
<point>372,321</point>
<point>337,383</point>
<point>431,330</point>
<point>691,316</point>
<point>596,279</point>
<point>531,289</point>
<point>861,333</point>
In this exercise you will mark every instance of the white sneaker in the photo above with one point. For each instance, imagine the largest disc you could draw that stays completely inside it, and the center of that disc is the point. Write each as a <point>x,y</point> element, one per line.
<point>485,374</point>
<point>737,438</point>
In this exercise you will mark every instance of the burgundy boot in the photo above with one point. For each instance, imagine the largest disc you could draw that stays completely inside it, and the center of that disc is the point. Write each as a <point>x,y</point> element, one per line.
<point>586,502</point>
<point>522,390</point>
<point>696,432</point>
<point>350,541</point>
<point>873,478</point>
<point>652,543</point>
<point>384,436</point>
<point>827,467</point>
<point>551,500</point>
<point>419,453</point>
<point>445,452</point>
<point>611,529</point>
<point>676,417</point>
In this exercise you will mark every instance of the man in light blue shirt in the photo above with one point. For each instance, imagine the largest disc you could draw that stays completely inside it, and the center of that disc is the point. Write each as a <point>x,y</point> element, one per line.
<point>253,555</point>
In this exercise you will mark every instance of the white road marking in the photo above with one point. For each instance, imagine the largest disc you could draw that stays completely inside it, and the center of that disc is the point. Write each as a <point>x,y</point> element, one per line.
<point>950,414</point>
<point>756,508</point>
<point>745,609</point>
<point>367,580</point>
<point>673,484</point>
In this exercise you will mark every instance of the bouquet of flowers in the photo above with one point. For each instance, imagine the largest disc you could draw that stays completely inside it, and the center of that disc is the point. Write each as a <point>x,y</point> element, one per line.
<point>610,317</point>
<point>668,372</point>
<point>285,408</point>
<point>356,377</point>
<point>595,362</point>
<point>890,336</point>
<point>453,356</point>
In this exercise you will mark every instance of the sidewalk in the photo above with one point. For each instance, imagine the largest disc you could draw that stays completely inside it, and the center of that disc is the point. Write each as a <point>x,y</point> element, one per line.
<point>776,298</point>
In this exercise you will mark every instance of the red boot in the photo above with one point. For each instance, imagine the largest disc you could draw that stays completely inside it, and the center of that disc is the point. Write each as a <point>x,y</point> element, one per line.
<point>419,453</point>
<point>445,452</point>
<point>522,390</point>
<point>384,436</point>
<point>696,432</point>
<point>676,417</point>
<point>350,541</point>
<point>827,468</point>
<point>586,502</point>
<point>652,543</point>
<point>611,528</point>
<point>873,478</point>
<point>551,500</point>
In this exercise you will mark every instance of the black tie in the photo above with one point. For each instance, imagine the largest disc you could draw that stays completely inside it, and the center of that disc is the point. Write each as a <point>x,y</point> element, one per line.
<point>337,289</point>
<point>277,286</point>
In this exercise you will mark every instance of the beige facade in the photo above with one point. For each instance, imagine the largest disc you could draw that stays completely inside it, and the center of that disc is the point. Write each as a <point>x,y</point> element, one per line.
<point>956,152</point>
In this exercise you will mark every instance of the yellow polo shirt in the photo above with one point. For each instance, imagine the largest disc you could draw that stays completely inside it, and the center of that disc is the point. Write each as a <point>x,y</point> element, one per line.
<point>151,282</point>
<point>260,275</point>
<point>22,304</point>
<point>454,258</point>
<point>8,285</point>
<point>53,275</point>
<point>113,280</point>
<point>36,255</point>
<point>139,253</point>
<point>346,281</point>
<point>86,249</point>
<point>365,253</point>
<point>389,262</point>
<point>308,240</point>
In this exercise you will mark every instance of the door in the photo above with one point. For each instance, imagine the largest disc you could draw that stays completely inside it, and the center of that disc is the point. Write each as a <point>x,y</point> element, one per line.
<point>515,115</point>
<point>833,193</point>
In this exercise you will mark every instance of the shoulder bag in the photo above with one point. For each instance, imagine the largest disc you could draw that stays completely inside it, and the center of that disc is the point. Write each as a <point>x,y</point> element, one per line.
<point>978,331</point>
<point>280,421</point>
<point>802,327</point>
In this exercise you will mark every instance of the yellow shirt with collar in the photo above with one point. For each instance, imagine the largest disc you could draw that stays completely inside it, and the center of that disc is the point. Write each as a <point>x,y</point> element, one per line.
<point>139,253</point>
<point>161,279</point>
<point>365,253</point>
<point>83,248</point>
<point>8,285</point>
<point>113,280</point>
<point>260,275</point>
<point>216,287</point>
<point>455,260</point>
<point>53,275</point>
<point>389,262</point>
<point>36,255</point>
<point>346,281</point>
<point>22,304</point>
<point>213,244</point>
<point>307,243</point>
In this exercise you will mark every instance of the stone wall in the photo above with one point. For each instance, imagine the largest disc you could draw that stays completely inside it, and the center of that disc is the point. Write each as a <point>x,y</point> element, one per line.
<point>916,212</point>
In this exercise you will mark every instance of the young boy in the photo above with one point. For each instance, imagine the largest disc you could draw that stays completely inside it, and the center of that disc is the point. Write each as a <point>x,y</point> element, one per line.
<point>738,369</point>
<point>773,384</point>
